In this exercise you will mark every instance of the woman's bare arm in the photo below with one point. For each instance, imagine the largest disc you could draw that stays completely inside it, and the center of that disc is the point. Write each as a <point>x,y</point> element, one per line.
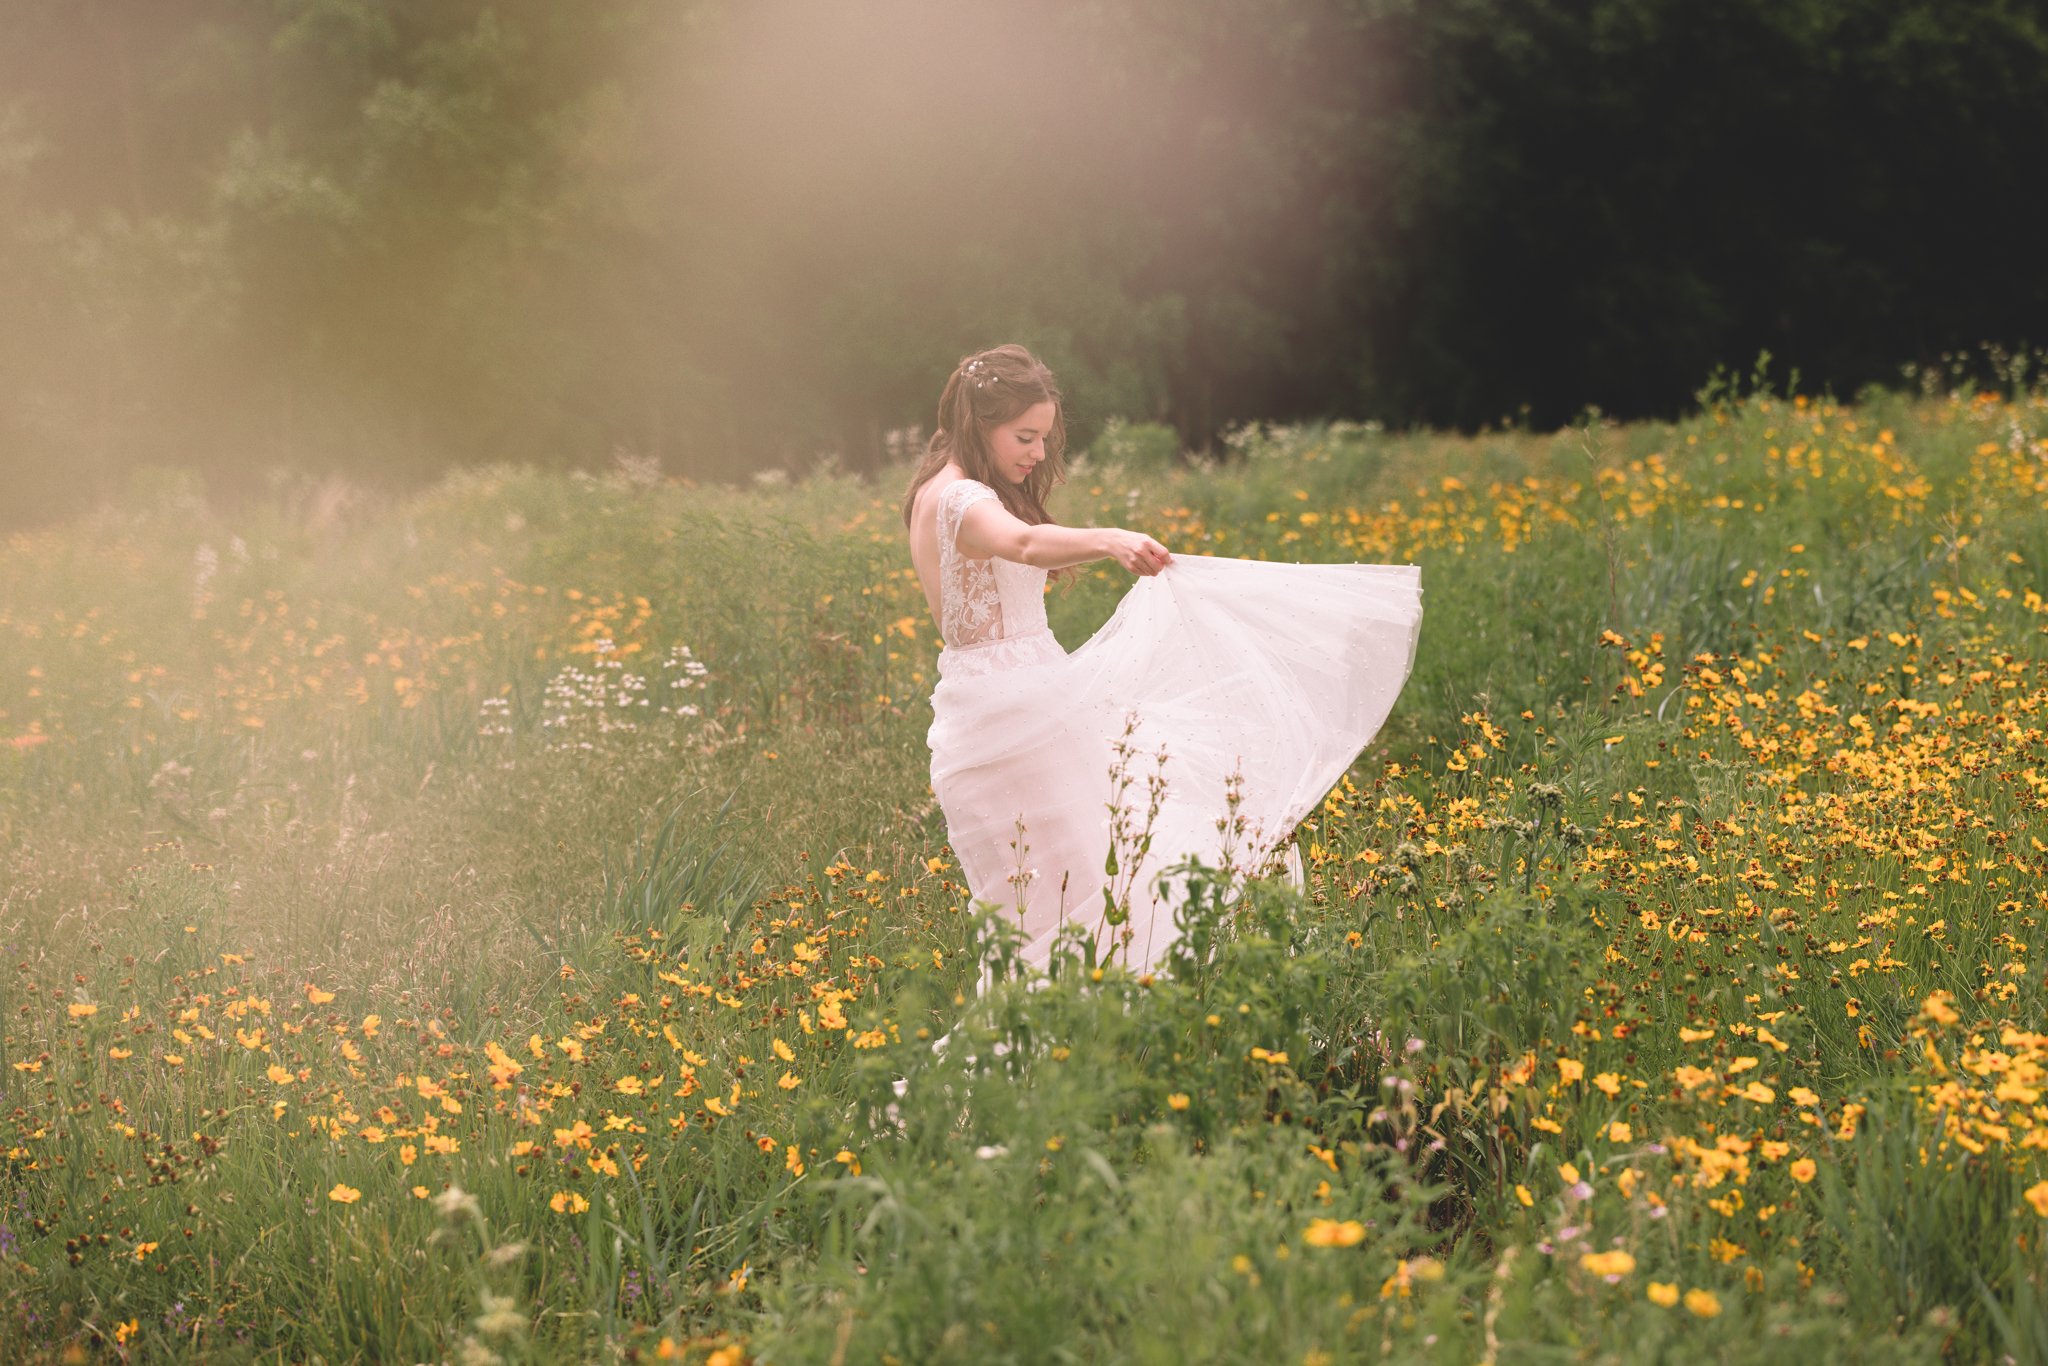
<point>988,528</point>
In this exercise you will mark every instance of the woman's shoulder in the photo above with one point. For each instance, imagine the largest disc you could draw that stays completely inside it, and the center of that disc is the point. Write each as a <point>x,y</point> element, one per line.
<point>949,483</point>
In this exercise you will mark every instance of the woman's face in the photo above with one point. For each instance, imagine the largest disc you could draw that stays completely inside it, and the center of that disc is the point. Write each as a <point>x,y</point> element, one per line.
<point>1019,444</point>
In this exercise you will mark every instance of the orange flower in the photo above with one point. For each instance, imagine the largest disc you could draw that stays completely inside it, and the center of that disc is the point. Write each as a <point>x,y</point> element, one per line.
<point>1615,1263</point>
<point>1333,1233</point>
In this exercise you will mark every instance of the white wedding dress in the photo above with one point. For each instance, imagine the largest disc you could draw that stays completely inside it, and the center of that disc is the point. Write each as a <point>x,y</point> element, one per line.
<point>1277,673</point>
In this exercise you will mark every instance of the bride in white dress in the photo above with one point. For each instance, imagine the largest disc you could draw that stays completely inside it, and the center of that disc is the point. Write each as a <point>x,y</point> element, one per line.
<point>1251,678</point>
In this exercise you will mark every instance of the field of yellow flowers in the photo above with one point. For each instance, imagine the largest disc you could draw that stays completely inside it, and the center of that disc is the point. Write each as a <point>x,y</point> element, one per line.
<point>488,925</point>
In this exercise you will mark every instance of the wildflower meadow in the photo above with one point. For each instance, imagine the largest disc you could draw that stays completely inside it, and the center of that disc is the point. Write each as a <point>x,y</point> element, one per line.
<point>488,925</point>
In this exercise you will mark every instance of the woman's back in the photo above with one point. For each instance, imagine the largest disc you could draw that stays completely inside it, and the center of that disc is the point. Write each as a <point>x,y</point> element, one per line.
<point>979,603</point>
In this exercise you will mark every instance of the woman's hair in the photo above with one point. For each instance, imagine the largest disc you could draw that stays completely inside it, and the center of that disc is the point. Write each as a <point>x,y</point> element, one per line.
<point>984,391</point>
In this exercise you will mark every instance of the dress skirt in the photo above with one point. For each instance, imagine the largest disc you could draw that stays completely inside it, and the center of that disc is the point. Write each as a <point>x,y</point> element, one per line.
<point>1275,675</point>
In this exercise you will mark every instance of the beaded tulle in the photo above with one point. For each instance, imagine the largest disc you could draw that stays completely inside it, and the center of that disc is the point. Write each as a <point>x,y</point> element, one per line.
<point>1264,676</point>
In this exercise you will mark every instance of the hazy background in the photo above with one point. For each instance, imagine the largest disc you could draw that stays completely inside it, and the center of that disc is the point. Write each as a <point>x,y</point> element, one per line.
<point>381,238</point>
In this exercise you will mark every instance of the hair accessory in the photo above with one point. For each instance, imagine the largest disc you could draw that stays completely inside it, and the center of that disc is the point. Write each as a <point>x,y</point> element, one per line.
<point>978,373</point>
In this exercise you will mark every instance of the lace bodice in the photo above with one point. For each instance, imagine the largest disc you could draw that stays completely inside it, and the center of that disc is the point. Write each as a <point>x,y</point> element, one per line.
<point>987,601</point>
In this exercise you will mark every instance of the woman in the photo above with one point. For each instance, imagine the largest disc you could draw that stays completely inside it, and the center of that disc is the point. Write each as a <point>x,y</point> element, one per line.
<point>1215,679</point>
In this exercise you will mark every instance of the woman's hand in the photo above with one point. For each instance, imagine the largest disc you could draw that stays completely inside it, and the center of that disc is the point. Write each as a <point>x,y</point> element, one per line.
<point>1137,552</point>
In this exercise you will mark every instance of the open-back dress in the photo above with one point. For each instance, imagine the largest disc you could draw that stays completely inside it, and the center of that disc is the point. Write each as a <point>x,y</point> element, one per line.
<point>1277,674</point>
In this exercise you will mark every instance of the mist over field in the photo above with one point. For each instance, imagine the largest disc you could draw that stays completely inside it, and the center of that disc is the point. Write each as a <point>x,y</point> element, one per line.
<point>248,244</point>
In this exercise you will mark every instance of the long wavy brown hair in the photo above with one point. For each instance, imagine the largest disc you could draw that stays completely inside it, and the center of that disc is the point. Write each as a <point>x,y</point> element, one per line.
<point>984,391</point>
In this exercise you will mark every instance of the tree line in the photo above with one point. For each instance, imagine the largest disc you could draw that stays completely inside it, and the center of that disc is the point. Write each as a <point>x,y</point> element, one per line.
<point>387,238</point>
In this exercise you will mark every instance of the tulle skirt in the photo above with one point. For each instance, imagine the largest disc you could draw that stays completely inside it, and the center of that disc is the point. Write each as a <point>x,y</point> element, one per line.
<point>1263,678</point>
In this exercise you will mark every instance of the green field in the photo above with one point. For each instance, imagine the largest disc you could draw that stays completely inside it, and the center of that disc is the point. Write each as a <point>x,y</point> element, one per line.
<point>486,925</point>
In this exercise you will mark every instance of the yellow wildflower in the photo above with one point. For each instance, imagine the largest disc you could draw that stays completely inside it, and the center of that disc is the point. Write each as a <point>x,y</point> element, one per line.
<point>1615,1263</point>
<point>1333,1233</point>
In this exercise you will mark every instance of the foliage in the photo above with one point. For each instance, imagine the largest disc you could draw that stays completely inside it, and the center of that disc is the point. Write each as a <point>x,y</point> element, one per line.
<point>387,240</point>
<point>1139,447</point>
<point>1664,984</point>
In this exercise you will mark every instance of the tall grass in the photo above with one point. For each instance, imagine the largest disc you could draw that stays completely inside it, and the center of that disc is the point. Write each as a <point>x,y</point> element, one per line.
<point>413,956</point>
